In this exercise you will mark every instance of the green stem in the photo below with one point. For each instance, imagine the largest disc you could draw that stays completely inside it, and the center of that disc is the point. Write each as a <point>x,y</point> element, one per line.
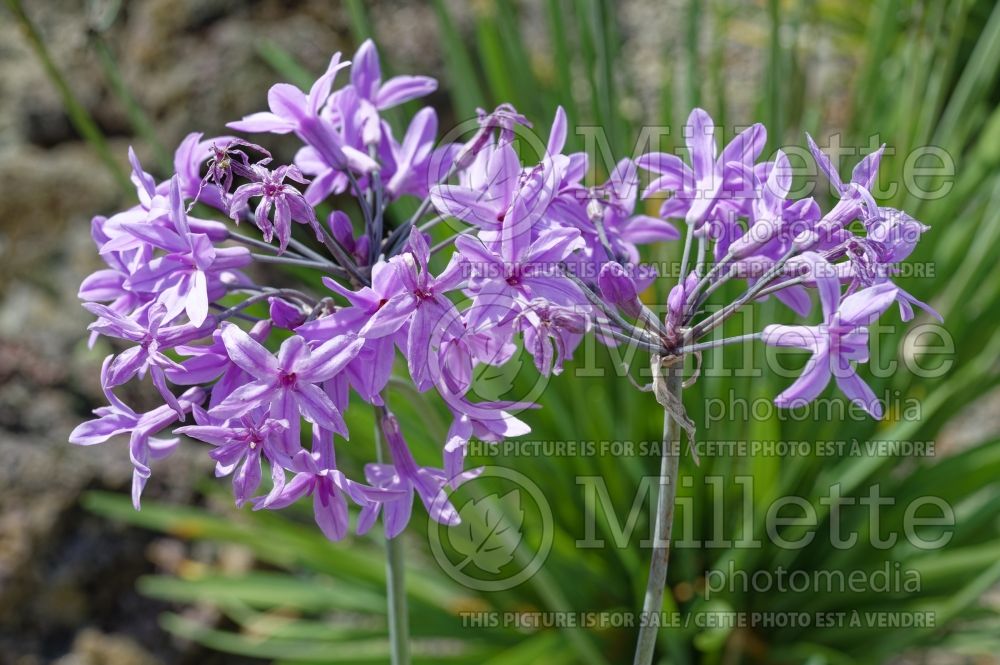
<point>686,255</point>
<point>395,583</point>
<point>669,464</point>
<point>718,342</point>
<point>261,297</point>
<point>302,263</point>
<point>720,316</point>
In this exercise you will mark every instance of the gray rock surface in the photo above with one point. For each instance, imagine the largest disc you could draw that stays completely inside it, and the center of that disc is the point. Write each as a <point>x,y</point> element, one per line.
<point>67,577</point>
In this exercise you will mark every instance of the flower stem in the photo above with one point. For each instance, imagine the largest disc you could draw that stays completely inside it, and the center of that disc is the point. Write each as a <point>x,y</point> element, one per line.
<point>375,231</point>
<point>685,256</point>
<point>711,344</point>
<point>305,250</point>
<point>359,194</point>
<point>646,644</point>
<point>720,316</point>
<point>254,242</point>
<point>399,625</point>
<point>395,583</point>
<point>347,263</point>
<point>794,281</point>
<point>450,240</point>
<point>262,296</point>
<point>431,223</point>
<point>302,263</point>
<point>402,232</point>
<point>633,332</point>
<point>602,235</point>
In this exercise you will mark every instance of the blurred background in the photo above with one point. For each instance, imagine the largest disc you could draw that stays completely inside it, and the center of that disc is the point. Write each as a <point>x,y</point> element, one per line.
<point>85,581</point>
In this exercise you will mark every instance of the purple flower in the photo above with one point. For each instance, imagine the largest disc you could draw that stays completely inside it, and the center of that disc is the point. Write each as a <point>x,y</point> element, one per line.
<point>608,209</point>
<point>155,209</point>
<point>892,236</point>
<point>618,288</point>
<point>226,158</point>
<point>316,475</point>
<point>676,301</point>
<point>343,232</point>
<point>421,302</point>
<point>855,196</point>
<point>458,354</point>
<point>366,76</point>
<point>186,277</point>
<point>118,418</point>
<point>486,421</point>
<point>519,273</point>
<point>406,477</point>
<point>697,189</point>
<point>243,440</point>
<point>410,161</point>
<point>499,197</point>
<point>287,383</point>
<point>624,229</point>
<point>551,333</point>
<point>767,208</point>
<point>288,203</point>
<point>370,369</point>
<point>774,225</point>
<point>286,315</point>
<point>110,285</point>
<point>295,111</point>
<point>841,338</point>
<point>209,362</point>
<point>148,355</point>
<point>544,245</point>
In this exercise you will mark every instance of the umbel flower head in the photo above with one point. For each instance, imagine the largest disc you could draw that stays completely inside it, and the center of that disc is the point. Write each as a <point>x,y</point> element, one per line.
<point>263,374</point>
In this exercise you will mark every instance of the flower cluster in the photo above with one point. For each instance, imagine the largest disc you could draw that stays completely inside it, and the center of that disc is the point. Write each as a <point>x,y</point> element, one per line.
<point>542,257</point>
<point>741,209</point>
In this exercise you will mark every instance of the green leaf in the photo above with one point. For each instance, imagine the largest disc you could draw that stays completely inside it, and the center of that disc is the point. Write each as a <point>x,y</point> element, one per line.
<point>285,64</point>
<point>266,590</point>
<point>78,114</point>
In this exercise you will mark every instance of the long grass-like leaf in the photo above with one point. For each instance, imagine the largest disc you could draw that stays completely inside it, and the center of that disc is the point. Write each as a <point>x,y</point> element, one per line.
<point>81,118</point>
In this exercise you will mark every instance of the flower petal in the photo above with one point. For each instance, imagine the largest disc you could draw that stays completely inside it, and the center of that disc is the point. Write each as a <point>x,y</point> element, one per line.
<point>814,378</point>
<point>248,354</point>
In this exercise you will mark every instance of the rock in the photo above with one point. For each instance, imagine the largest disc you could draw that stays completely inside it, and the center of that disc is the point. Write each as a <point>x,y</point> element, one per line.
<point>92,647</point>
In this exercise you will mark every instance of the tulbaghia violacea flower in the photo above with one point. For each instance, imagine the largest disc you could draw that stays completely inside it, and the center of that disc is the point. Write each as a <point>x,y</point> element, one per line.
<point>405,477</point>
<point>317,475</point>
<point>118,418</point>
<point>711,176</point>
<point>840,340</point>
<point>287,384</point>
<point>542,256</point>
<point>239,445</point>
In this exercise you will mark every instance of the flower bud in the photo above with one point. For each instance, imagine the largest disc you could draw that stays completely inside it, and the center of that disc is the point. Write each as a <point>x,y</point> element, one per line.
<point>342,229</point>
<point>677,299</point>
<point>285,315</point>
<point>618,288</point>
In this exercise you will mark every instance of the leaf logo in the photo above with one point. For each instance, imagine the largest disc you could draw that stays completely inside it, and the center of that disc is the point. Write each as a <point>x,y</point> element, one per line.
<point>495,382</point>
<point>490,549</point>
<point>490,531</point>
